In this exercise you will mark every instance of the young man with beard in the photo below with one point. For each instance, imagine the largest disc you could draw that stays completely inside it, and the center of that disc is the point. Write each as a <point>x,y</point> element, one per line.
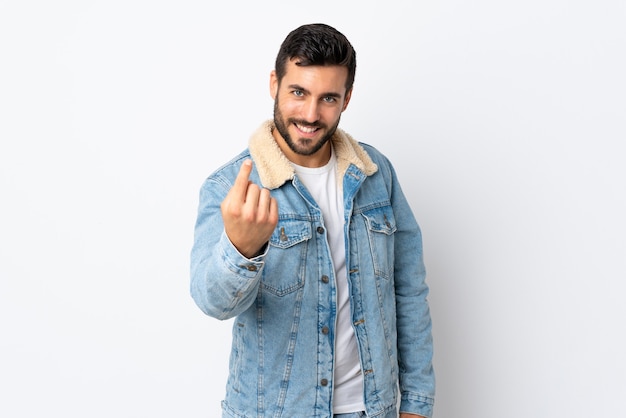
<point>306,239</point>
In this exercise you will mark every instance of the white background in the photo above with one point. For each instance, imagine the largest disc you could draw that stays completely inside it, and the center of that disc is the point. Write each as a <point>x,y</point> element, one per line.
<point>505,121</point>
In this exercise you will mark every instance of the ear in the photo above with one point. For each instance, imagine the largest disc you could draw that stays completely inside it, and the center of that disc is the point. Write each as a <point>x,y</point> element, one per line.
<point>273,84</point>
<point>346,100</point>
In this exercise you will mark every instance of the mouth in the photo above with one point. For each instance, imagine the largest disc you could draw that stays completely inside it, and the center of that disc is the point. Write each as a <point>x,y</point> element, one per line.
<point>306,129</point>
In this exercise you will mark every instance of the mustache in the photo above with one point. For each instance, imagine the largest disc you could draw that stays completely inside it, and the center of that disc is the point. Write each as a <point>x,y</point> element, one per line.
<point>305,123</point>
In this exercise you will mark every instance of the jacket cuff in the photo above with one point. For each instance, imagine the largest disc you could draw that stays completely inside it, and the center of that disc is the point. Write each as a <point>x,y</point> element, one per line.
<point>237,262</point>
<point>417,404</point>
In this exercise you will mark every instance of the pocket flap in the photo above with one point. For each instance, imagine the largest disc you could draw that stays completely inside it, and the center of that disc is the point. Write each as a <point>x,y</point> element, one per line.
<point>290,232</point>
<point>381,220</point>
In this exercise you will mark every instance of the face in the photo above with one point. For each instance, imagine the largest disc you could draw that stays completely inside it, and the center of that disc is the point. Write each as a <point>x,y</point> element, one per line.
<point>307,107</point>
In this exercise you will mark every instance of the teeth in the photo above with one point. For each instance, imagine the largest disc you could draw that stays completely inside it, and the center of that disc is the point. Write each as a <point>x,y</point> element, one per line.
<point>306,129</point>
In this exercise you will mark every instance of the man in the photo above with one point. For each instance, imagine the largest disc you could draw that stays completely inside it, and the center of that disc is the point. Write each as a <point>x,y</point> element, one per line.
<point>307,240</point>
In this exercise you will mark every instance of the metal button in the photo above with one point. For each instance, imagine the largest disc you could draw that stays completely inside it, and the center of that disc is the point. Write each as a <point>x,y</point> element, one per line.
<point>320,230</point>
<point>325,279</point>
<point>325,330</point>
<point>324,382</point>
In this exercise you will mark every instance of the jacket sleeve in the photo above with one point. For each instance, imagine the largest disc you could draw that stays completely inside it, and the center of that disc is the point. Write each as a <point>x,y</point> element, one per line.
<point>224,283</point>
<point>415,343</point>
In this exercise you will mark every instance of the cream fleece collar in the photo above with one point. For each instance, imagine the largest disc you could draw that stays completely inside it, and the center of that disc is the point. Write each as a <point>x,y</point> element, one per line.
<point>275,169</point>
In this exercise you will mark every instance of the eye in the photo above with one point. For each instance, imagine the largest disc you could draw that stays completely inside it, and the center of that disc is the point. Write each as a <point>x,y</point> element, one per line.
<point>329,99</point>
<point>298,93</point>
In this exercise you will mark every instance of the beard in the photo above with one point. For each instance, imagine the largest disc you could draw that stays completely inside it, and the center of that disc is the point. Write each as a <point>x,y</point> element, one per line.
<point>301,146</point>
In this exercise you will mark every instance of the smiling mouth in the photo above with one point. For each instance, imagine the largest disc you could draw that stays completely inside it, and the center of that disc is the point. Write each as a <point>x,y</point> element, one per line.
<point>306,129</point>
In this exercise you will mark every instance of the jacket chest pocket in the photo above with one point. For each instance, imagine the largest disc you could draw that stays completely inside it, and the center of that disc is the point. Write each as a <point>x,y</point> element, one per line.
<point>286,259</point>
<point>381,227</point>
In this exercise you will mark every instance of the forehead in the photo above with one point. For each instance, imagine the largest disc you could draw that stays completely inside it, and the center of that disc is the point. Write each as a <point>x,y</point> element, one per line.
<point>316,78</point>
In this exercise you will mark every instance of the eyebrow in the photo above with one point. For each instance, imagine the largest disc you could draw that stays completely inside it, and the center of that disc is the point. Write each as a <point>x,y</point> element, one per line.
<point>329,94</point>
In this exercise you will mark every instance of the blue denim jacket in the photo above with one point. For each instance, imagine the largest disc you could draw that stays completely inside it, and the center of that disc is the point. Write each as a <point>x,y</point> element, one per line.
<point>281,363</point>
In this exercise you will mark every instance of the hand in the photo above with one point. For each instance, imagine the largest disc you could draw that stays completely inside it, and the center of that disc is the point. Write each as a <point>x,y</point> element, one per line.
<point>406,415</point>
<point>250,214</point>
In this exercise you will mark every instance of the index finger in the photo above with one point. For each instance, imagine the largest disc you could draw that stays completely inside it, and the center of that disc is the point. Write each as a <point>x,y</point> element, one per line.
<point>240,187</point>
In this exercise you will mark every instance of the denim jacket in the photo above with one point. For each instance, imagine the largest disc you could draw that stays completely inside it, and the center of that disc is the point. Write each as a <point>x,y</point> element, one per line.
<point>283,301</point>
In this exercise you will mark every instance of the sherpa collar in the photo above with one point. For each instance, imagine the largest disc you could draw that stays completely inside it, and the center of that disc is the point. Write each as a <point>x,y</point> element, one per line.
<point>275,169</point>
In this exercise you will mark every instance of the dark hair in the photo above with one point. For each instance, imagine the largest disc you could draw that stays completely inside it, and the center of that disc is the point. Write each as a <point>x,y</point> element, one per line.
<point>317,44</point>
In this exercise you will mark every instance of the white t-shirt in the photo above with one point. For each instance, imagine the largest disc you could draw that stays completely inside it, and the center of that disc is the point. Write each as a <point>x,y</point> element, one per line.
<point>323,185</point>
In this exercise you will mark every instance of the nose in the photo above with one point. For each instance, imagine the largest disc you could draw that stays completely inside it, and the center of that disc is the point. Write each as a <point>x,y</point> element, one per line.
<point>310,111</point>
